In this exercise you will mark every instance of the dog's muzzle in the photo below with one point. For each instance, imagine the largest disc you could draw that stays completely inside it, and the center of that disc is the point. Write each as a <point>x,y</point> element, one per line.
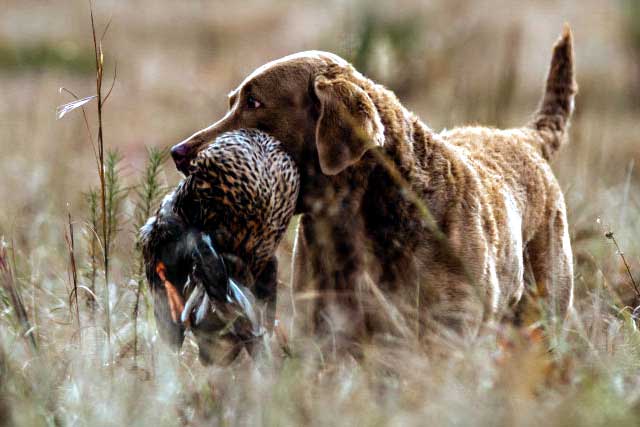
<point>181,155</point>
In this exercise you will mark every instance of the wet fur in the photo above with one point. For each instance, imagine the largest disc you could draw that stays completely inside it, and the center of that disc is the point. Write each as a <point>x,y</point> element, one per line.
<point>454,228</point>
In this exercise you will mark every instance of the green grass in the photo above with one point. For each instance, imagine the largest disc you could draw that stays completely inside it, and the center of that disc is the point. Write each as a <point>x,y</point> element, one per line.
<point>45,56</point>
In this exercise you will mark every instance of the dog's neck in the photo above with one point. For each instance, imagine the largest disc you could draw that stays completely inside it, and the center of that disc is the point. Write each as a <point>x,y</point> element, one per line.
<point>412,153</point>
<point>411,147</point>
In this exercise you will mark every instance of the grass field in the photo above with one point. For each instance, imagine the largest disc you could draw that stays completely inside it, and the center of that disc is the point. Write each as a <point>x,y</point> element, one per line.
<point>73,351</point>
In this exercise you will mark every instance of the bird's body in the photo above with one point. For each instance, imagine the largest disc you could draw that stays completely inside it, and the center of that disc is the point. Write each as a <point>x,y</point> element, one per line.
<point>210,249</point>
<point>241,190</point>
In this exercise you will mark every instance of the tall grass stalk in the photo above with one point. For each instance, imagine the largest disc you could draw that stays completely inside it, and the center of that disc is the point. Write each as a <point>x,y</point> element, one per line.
<point>73,272</point>
<point>92,243</point>
<point>106,220</point>
<point>99,57</point>
<point>107,198</point>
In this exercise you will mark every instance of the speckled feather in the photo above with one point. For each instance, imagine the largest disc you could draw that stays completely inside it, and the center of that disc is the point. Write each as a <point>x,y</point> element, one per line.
<point>242,190</point>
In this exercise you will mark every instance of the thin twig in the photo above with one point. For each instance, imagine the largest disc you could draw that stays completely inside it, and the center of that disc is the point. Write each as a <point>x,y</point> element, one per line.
<point>612,237</point>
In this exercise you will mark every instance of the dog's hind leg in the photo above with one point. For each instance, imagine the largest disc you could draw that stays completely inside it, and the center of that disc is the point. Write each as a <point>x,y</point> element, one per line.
<point>551,261</point>
<point>327,264</point>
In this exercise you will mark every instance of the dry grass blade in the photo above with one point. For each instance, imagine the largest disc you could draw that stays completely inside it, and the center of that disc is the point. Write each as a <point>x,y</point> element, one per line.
<point>73,297</point>
<point>63,109</point>
<point>86,121</point>
<point>113,83</point>
<point>8,283</point>
<point>394,316</point>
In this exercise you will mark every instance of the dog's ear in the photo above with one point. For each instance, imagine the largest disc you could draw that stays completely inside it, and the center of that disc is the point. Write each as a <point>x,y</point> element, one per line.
<point>348,126</point>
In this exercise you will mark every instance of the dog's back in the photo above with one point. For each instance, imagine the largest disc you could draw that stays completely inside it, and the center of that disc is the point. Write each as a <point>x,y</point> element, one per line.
<point>515,193</point>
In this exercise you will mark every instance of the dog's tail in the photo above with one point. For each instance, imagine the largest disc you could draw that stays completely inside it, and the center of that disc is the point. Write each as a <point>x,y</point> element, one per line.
<point>552,118</point>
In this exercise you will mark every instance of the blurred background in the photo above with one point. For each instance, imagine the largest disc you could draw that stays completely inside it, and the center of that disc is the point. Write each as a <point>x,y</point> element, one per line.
<point>452,62</point>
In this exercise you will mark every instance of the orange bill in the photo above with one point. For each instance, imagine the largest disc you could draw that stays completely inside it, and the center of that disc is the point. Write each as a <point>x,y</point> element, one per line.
<point>175,300</point>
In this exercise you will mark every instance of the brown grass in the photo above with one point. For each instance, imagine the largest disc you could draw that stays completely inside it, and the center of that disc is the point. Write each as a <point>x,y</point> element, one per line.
<point>175,65</point>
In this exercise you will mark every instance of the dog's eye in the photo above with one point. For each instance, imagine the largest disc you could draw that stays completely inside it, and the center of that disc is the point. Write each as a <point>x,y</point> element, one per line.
<point>253,103</point>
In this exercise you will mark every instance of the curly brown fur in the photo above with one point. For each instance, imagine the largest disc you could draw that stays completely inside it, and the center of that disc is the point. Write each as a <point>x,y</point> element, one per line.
<point>441,225</point>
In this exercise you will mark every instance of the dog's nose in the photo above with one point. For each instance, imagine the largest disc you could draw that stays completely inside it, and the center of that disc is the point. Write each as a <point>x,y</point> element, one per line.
<point>179,153</point>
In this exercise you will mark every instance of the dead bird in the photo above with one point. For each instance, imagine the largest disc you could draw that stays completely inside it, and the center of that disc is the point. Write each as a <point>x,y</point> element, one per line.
<point>210,249</point>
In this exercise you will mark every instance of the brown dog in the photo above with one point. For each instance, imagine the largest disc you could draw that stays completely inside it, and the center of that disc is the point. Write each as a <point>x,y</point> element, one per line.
<point>401,224</point>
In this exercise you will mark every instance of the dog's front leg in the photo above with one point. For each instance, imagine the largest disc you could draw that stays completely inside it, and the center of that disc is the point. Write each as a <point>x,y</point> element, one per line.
<point>328,260</point>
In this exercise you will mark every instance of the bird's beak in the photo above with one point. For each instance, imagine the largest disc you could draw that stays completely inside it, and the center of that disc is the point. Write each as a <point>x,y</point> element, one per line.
<point>176,302</point>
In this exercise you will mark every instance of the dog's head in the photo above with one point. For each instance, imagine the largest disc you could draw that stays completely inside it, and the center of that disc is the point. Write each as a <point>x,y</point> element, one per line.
<point>313,102</point>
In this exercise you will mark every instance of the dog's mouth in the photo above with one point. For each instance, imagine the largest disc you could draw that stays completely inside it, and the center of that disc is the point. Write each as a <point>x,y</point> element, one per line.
<point>182,155</point>
<point>182,166</point>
